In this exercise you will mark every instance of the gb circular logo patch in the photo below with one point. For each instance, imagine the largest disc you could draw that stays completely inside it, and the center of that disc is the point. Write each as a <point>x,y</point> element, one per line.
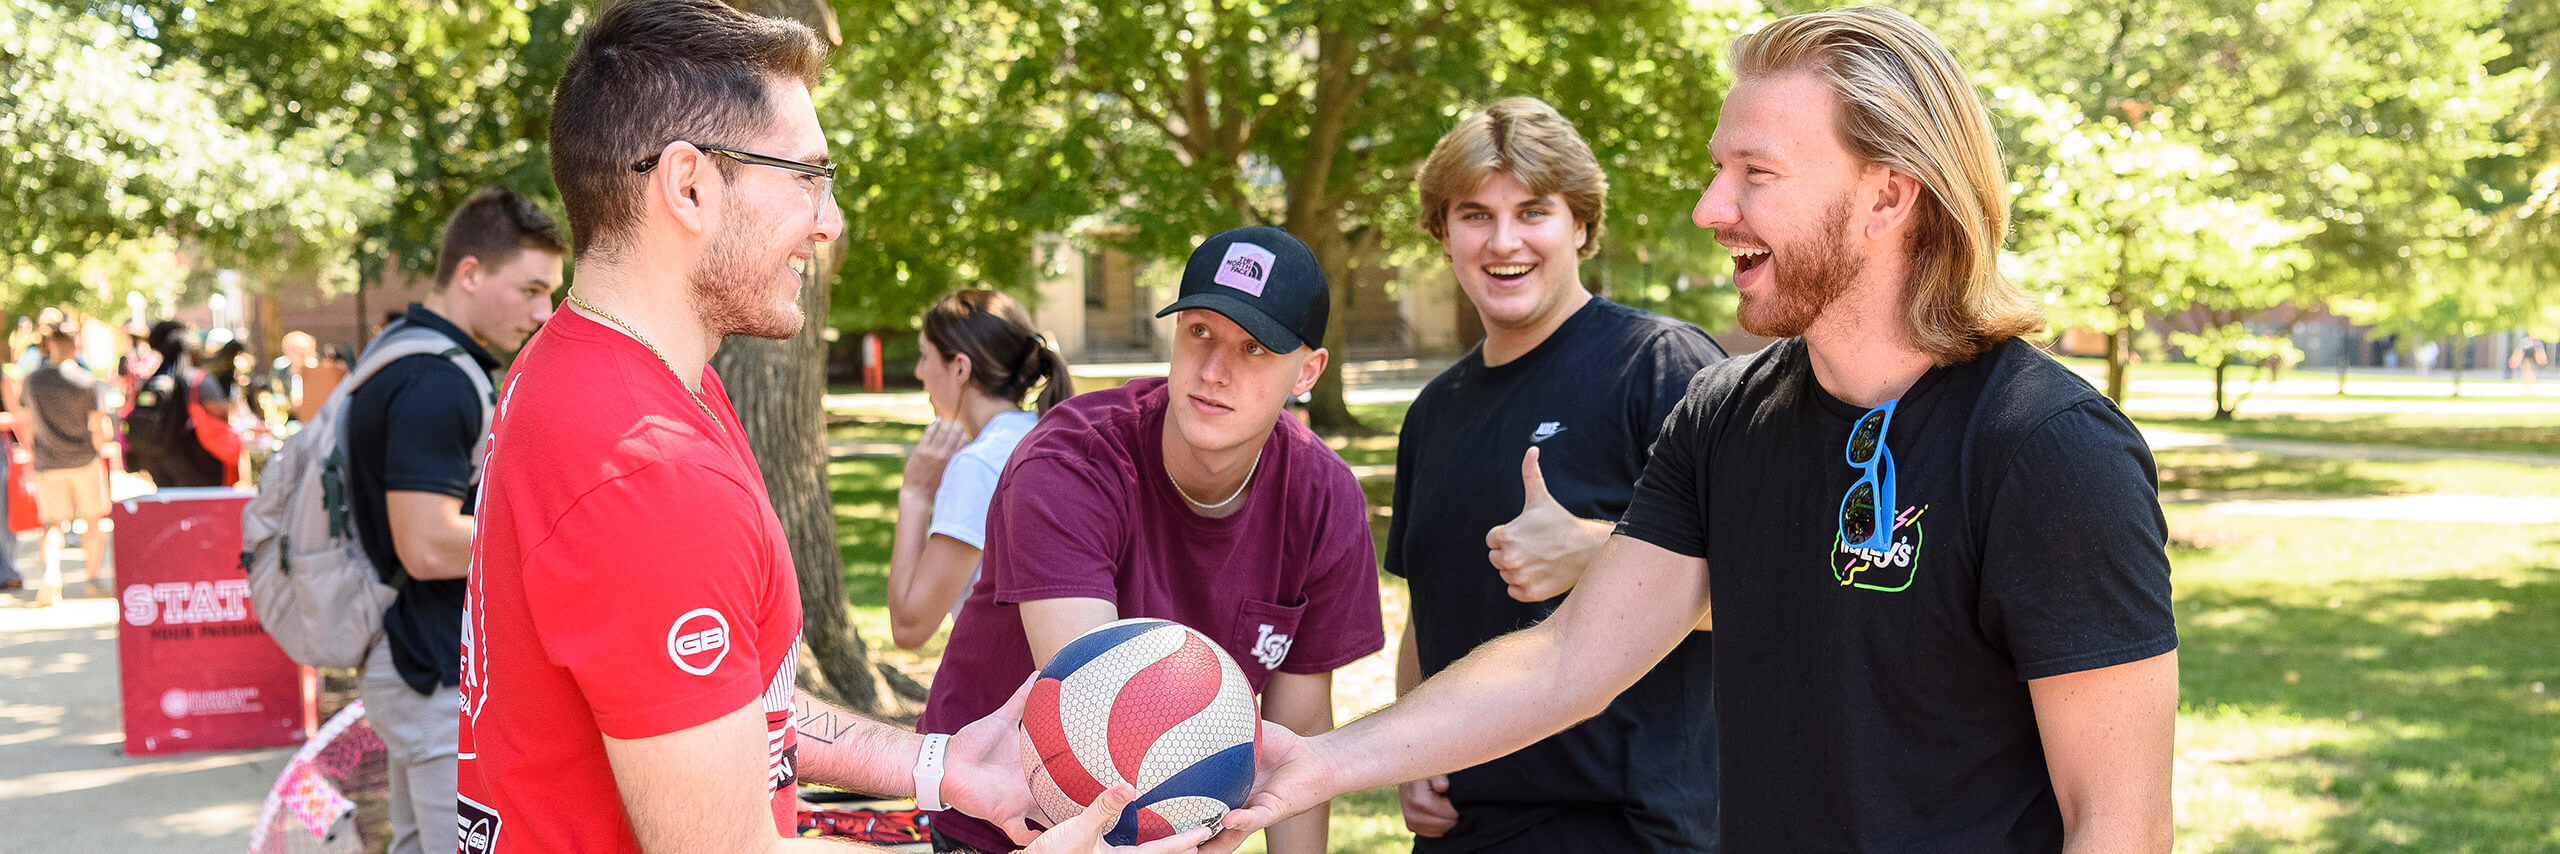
<point>698,641</point>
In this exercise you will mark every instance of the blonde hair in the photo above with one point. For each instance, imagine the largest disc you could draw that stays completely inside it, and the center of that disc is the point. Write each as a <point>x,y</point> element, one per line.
<point>1906,105</point>
<point>1530,140</point>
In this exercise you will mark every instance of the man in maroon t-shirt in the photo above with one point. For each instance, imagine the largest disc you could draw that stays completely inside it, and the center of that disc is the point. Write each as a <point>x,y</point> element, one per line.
<point>1187,498</point>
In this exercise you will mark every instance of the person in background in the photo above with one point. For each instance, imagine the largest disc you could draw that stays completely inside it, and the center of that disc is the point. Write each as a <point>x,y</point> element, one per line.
<point>978,357</point>
<point>138,361</point>
<point>68,428</point>
<point>218,408</point>
<point>177,456</point>
<point>412,432</point>
<point>10,416</point>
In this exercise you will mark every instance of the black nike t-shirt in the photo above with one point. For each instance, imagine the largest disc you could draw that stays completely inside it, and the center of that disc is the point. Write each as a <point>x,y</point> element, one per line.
<point>412,427</point>
<point>1877,700</point>
<point>1590,398</point>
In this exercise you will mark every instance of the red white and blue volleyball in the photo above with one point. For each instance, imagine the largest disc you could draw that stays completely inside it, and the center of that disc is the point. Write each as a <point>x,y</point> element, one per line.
<point>1151,703</point>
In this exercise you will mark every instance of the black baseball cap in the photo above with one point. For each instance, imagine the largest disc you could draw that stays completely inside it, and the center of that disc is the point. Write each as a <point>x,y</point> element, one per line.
<point>1265,280</point>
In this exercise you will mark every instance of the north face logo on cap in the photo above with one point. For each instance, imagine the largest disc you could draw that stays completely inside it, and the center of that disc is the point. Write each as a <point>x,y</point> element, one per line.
<point>1246,268</point>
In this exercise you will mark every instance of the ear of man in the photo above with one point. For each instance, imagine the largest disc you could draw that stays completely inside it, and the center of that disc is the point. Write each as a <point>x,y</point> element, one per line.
<point>466,274</point>
<point>1893,201</point>
<point>686,183</point>
<point>1310,370</point>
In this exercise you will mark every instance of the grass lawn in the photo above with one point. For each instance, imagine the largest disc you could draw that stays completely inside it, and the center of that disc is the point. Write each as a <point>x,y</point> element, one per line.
<point>2355,685</point>
<point>2348,685</point>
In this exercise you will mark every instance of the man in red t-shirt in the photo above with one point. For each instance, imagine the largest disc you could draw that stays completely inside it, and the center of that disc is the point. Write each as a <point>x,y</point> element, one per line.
<point>1187,498</point>
<point>631,634</point>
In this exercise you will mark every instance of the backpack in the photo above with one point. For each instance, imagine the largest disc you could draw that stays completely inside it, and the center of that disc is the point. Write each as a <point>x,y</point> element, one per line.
<point>310,582</point>
<point>158,426</point>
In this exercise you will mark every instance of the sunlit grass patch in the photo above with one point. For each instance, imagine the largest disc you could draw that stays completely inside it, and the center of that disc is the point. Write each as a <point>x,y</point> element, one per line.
<point>2363,685</point>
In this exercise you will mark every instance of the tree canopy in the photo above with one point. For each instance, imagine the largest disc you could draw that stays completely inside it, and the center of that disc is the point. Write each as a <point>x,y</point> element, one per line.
<point>976,127</point>
<point>2395,161</point>
<point>2209,161</point>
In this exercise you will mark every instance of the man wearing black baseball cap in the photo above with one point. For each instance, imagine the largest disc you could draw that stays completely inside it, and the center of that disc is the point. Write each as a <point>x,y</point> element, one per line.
<point>1187,498</point>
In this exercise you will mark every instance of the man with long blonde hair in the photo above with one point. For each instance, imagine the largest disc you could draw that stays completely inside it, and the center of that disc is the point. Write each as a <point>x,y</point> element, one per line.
<point>2007,682</point>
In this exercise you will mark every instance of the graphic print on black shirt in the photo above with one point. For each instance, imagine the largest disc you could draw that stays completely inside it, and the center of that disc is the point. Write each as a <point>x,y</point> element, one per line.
<point>1877,700</point>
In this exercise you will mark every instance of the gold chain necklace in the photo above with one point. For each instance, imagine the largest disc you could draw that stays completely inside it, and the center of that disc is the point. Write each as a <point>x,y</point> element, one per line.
<point>1231,499</point>
<point>654,351</point>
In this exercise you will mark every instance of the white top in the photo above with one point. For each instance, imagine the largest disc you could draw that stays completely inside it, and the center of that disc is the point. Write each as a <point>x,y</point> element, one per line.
<point>969,482</point>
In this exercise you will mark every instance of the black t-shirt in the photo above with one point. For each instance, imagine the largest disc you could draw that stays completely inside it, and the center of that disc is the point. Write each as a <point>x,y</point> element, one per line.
<point>1590,398</point>
<point>1878,702</point>
<point>412,427</point>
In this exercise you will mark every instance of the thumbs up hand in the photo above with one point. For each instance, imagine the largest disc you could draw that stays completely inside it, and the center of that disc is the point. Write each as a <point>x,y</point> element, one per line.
<point>1542,552</point>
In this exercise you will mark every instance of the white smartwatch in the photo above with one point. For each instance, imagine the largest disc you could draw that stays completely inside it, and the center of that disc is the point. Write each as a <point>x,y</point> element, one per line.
<point>929,772</point>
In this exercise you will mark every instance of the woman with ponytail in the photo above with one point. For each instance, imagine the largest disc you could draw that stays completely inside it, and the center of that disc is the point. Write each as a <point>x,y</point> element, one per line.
<point>980,357</point>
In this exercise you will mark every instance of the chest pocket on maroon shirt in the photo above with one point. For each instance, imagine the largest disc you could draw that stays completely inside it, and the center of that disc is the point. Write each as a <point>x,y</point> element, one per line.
<point>1261,635</point>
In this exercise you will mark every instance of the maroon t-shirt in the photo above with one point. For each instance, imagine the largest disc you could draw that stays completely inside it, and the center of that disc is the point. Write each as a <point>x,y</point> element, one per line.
<point>1289,583</point>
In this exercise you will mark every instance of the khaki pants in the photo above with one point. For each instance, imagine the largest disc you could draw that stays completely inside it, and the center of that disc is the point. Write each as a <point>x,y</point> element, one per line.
<point>419,732</point>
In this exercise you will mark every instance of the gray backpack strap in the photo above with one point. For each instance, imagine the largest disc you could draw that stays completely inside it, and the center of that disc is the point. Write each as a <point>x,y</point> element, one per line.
<point>404,340</point>
<point>488,405</point>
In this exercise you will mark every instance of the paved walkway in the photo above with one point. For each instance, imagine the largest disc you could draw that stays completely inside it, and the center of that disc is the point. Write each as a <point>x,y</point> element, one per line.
<point>65,783</point>
<point>2484,509</point>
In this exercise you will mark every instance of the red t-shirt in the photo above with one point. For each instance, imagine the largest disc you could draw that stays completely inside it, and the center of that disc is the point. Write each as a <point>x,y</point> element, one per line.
<point>629,579</point>
<point>1289,583</point>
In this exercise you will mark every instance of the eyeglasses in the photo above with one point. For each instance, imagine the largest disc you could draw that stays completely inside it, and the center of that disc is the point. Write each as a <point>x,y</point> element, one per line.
<point>819,196</point>
<point>1867,510</point>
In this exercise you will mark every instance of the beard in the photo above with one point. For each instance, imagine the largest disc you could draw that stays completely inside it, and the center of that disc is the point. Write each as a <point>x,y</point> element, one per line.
<point>1805,281</point>
<point>731,294</point>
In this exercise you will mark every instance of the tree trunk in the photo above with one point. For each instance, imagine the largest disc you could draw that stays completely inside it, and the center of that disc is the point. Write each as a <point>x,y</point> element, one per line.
<point>2120,342</point>
<point>780,390</point>
<point>2455,356</point>
<point>1315,216</point>
<point>2221,370</point>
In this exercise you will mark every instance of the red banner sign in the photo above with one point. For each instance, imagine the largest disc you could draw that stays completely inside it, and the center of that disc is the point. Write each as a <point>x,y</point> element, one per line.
<point>199,672</point>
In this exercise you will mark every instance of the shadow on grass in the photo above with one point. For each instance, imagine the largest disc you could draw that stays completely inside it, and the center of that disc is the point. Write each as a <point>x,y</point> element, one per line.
<point>2222,472</point>
<point>2448,688</point>
<point>2533,435</point>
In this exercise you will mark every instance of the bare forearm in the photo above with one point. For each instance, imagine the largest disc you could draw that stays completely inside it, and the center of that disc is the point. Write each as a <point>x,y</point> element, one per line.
<point>1306,834</point>
<point>2132,836</point>
<point>1408,660</point>
<point>1414,738</point>
<point>911,621</point>
<point>449,557</point>
<point>1589,536</point>
<point>852,752</point>
<point>1303,702</point>
<point>430,534</point>
<point>1638,602</point>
